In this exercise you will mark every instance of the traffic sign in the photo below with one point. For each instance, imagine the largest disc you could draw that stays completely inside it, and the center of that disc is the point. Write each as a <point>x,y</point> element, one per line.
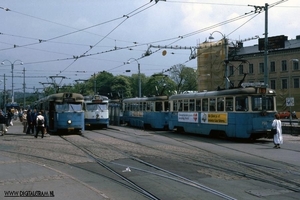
<point>289,101</point>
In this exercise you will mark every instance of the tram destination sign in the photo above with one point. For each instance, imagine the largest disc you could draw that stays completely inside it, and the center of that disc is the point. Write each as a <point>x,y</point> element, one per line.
<point>275,42</point>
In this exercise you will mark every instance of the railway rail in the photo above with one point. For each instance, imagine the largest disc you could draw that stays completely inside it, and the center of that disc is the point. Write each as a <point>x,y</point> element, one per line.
<point>142,162</point>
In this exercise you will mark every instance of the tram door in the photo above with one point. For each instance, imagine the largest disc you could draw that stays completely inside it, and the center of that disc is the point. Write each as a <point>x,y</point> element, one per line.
<point>51,114</point>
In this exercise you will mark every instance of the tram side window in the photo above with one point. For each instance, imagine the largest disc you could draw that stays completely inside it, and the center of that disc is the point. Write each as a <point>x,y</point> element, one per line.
<point>241,103</point>
<point>198,105</point>
<point>212,104</point>
<point>180,105</point>
<point>141,106</point>
<point>175,105</point>
<point>166,104</point>
<point>132,107</point>
<point>229,104</point>
<point>192,105</point>
<point>158,106</point>
<point>220,104</point>
<point>148,106</point>
<point>204,104</point>
<point>186,105</point>
<point>152,106</point>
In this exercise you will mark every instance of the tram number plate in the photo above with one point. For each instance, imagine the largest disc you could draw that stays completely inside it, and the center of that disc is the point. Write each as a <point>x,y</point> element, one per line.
<point>70,129</point>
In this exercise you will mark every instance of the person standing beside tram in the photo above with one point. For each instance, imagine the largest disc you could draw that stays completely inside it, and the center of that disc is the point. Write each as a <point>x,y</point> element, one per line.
<point>277,138</point>
<point>40,124</point>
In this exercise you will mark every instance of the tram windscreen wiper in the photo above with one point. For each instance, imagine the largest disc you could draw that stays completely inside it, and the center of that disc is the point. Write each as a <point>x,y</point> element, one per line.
<point>72,107</point>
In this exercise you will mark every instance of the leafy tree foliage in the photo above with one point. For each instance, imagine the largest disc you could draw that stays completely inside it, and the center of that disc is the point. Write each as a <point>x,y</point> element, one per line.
<point>181,78</point>
<point>158,85</point>
<point>120,87</point>
<point>184,77</point>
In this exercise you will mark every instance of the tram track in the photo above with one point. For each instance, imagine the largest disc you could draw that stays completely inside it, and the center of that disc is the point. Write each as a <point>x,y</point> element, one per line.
<point>166,174</point>
<point>260,173</point>
<point>40,160</point>
<point>204,159</point>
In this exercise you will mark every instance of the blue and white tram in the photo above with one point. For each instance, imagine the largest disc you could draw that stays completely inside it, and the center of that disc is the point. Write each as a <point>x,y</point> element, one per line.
<point>146,112</point>
<point>235,113</point>
<point>96,113</point>
<point>63,112</point>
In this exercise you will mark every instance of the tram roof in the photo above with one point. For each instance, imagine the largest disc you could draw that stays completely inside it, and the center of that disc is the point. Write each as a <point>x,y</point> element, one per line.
<point>61,96</point>
<point>139,99</point>
<point>229,92</point>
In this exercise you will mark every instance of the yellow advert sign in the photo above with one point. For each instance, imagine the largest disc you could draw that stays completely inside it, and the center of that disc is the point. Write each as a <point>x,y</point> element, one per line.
<point>214,118</point>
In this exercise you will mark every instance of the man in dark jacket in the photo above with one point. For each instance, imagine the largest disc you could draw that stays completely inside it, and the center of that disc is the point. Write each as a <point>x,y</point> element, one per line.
<point>34,114</point>
<point>29,122</point>
<point>3,121</point>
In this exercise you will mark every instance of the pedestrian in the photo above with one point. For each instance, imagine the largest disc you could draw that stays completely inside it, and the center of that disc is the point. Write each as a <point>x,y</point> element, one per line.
<point>3,122</point>
<point>40,124</point>
<point>33,116</point>
<point>45,122</point>
<point>24,121</point>
<point>29,122</point>
<point>277,138</point>
<point>10,117</point>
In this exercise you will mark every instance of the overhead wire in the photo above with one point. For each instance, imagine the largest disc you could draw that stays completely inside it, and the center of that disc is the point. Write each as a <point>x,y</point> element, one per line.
<point>134,13</point>
<point>127,16</point>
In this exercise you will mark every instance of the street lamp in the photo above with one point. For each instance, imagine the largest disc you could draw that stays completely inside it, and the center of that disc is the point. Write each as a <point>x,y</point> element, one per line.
<point>139,75</point>
<point>226,55</point>
<point>290,100</point>
<point>12,77</point>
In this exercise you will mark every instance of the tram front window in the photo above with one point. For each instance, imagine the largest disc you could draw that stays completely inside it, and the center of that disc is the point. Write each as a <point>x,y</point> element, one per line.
<point>259,103</point>
<point>68,107</point>
<point>92,107</point>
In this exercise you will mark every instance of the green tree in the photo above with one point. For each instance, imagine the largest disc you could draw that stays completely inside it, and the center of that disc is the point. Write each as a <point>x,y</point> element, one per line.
<point>134,83</point>
<point>158,85</point>
<point>101,82</point>
<point>120,87</point>
<point>184,77</point>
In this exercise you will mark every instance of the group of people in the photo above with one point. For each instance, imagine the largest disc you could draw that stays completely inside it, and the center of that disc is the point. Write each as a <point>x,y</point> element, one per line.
<point>33,122</point>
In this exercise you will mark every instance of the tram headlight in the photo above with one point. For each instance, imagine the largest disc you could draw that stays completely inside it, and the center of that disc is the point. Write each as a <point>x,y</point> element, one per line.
<point>69,121</point>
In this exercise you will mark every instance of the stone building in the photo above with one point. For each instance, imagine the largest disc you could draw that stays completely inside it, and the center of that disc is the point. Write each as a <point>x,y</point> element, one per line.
<point>246,63</point>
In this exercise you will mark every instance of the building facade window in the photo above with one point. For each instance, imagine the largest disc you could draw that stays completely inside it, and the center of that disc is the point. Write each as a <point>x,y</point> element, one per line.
<point>273,84</point>
<point>295,66</point>
<point>283,65</point>
<point>284,84</point>
<point>241,71</point>
<point>251,69</point>
<point>296,83</point>
<point>261,68</point>
<point>272,67</point>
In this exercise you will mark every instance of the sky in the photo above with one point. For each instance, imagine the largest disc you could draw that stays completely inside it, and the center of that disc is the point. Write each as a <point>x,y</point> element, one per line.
<point>74,39</point>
